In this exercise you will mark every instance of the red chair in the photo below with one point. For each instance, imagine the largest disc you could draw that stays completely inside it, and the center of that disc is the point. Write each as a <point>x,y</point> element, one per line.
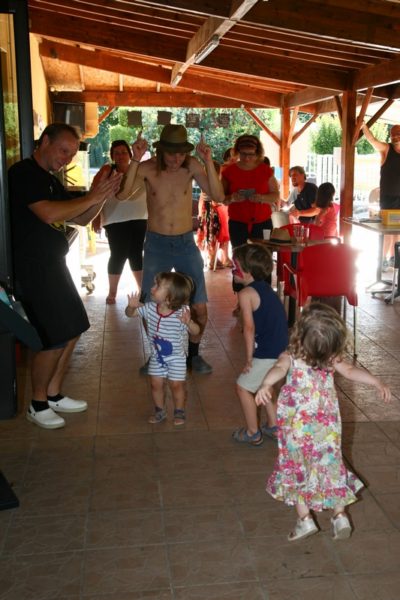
<point>316,233</point>
<point>325,270</point>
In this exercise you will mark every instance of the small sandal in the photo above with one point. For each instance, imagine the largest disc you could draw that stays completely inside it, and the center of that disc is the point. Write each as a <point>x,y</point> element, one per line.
<point>271,432</point>
<point>240,435</point>
<point>341,528</point>
<point>159,415</point>
<point>304,528</point>
<point>179,417</point>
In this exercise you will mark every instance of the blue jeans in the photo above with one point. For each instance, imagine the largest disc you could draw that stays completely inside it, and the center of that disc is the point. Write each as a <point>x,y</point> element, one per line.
<point>167,252</point>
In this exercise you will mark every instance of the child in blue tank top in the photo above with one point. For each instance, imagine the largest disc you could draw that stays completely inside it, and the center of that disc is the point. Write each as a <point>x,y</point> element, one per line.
<point>265,333</point>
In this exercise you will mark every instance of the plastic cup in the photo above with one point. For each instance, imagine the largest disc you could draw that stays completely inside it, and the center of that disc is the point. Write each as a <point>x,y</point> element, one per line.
<point>298,231</point>
<point>266,234</point>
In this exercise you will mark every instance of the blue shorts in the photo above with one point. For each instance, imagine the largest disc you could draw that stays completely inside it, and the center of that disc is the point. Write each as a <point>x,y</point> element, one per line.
<point>173,368</point>
<point>178,252</point>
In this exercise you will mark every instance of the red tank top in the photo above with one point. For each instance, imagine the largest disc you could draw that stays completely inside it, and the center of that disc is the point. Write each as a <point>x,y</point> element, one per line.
<point>257,179</point>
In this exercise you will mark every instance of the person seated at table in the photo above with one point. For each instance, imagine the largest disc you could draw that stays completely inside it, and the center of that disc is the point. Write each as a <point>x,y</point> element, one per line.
<point>303,194</point>
<point>323,210</point>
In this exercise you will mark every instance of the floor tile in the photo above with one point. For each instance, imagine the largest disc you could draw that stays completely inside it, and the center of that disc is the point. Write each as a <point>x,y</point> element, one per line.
<point>223,561</point>
<point>113,508</point>
<point>123,570</point>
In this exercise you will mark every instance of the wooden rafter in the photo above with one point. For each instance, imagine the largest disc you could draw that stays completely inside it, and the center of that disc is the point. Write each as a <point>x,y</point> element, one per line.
<point>360,118</point>
<point>263,126</point>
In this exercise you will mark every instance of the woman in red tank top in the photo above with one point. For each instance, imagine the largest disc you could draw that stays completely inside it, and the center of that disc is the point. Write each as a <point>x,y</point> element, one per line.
<point>251,188</point>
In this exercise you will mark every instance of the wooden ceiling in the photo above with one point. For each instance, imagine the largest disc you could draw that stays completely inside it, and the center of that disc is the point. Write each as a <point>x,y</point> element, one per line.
<point>271,53</point>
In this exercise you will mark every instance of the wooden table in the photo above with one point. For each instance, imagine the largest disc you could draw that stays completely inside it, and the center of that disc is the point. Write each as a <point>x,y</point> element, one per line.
<point>380,286</point>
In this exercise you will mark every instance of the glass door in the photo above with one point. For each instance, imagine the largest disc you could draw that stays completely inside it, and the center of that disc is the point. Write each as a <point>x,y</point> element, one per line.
<point>16,119</point>
<point>16,142</point>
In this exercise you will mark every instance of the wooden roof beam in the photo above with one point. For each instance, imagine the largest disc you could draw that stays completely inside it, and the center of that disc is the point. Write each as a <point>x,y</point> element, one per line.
<point>245,93</point>
<point>138,99</point>
<point>384,73</point>
<point>279,69</point>
<point>221,9</point>
<point>321,18</point>
<point>309,95</point>
<point>209,33</point>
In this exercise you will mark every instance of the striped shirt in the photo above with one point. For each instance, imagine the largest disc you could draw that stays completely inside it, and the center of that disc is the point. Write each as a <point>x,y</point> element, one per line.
<point>168,336</point>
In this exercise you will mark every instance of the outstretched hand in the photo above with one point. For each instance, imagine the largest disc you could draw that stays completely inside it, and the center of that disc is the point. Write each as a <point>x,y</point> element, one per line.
<point>133,301</point>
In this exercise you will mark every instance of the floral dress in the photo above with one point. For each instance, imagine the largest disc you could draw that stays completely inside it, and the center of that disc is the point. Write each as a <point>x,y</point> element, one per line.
<point>309,468</point>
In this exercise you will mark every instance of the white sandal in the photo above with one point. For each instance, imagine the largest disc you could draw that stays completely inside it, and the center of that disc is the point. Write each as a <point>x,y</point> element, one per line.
<point>304,528</point>
<point>341,528</point>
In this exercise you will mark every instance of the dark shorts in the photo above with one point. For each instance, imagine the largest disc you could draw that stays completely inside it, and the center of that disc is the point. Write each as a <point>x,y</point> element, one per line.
<point>167,252</point>
<point>389,202</point>
<point>51,301</point>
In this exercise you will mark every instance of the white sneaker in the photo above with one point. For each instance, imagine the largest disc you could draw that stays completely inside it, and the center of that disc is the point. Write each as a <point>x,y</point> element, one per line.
<point>68,405</point>
<point>341,527</point>
<point>47,418</point>
<point>304,528</point>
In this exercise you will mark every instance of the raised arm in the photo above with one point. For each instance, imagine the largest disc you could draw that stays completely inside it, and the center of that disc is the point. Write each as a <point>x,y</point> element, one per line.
<point>208,180</point>
<point>381,147</point>
<point>131,182</point>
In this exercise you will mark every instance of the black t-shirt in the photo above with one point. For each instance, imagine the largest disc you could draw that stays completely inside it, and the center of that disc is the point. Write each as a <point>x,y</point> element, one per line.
<point>31,237</point>
<point>305,199</point>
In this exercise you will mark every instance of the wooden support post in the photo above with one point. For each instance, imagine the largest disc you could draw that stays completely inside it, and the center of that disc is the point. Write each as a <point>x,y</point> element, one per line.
<point>284,154</point>
<point>349,102</point>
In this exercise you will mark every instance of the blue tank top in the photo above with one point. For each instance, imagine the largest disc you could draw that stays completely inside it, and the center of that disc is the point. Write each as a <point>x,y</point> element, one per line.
<point>271,330</point>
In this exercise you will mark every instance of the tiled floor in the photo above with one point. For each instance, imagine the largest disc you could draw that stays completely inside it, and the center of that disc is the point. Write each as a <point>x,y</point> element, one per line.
<point>115,509</point>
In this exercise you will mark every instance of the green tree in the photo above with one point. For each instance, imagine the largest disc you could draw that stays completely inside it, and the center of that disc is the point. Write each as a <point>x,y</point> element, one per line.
<point>327,135</point>
<point>115,126</point>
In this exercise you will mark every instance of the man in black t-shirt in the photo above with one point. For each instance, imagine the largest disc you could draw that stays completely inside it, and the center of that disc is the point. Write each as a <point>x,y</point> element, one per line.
<point>40,207</point>
<point>306,192</point>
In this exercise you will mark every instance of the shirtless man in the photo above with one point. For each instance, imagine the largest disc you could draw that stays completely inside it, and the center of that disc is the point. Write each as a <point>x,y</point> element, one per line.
<point>169,239</point>
<point>390,179</point>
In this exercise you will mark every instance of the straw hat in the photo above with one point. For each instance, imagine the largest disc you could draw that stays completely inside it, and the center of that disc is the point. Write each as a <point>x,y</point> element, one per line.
<point>173,139</point>
<point>280,235</point>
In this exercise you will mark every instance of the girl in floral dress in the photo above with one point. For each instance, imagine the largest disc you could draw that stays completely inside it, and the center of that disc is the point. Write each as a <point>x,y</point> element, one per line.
<point>310,473</point>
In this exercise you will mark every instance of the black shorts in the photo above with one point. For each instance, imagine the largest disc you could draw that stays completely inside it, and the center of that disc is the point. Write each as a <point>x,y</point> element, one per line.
<point>389,202</point>
<point>51,301</point>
